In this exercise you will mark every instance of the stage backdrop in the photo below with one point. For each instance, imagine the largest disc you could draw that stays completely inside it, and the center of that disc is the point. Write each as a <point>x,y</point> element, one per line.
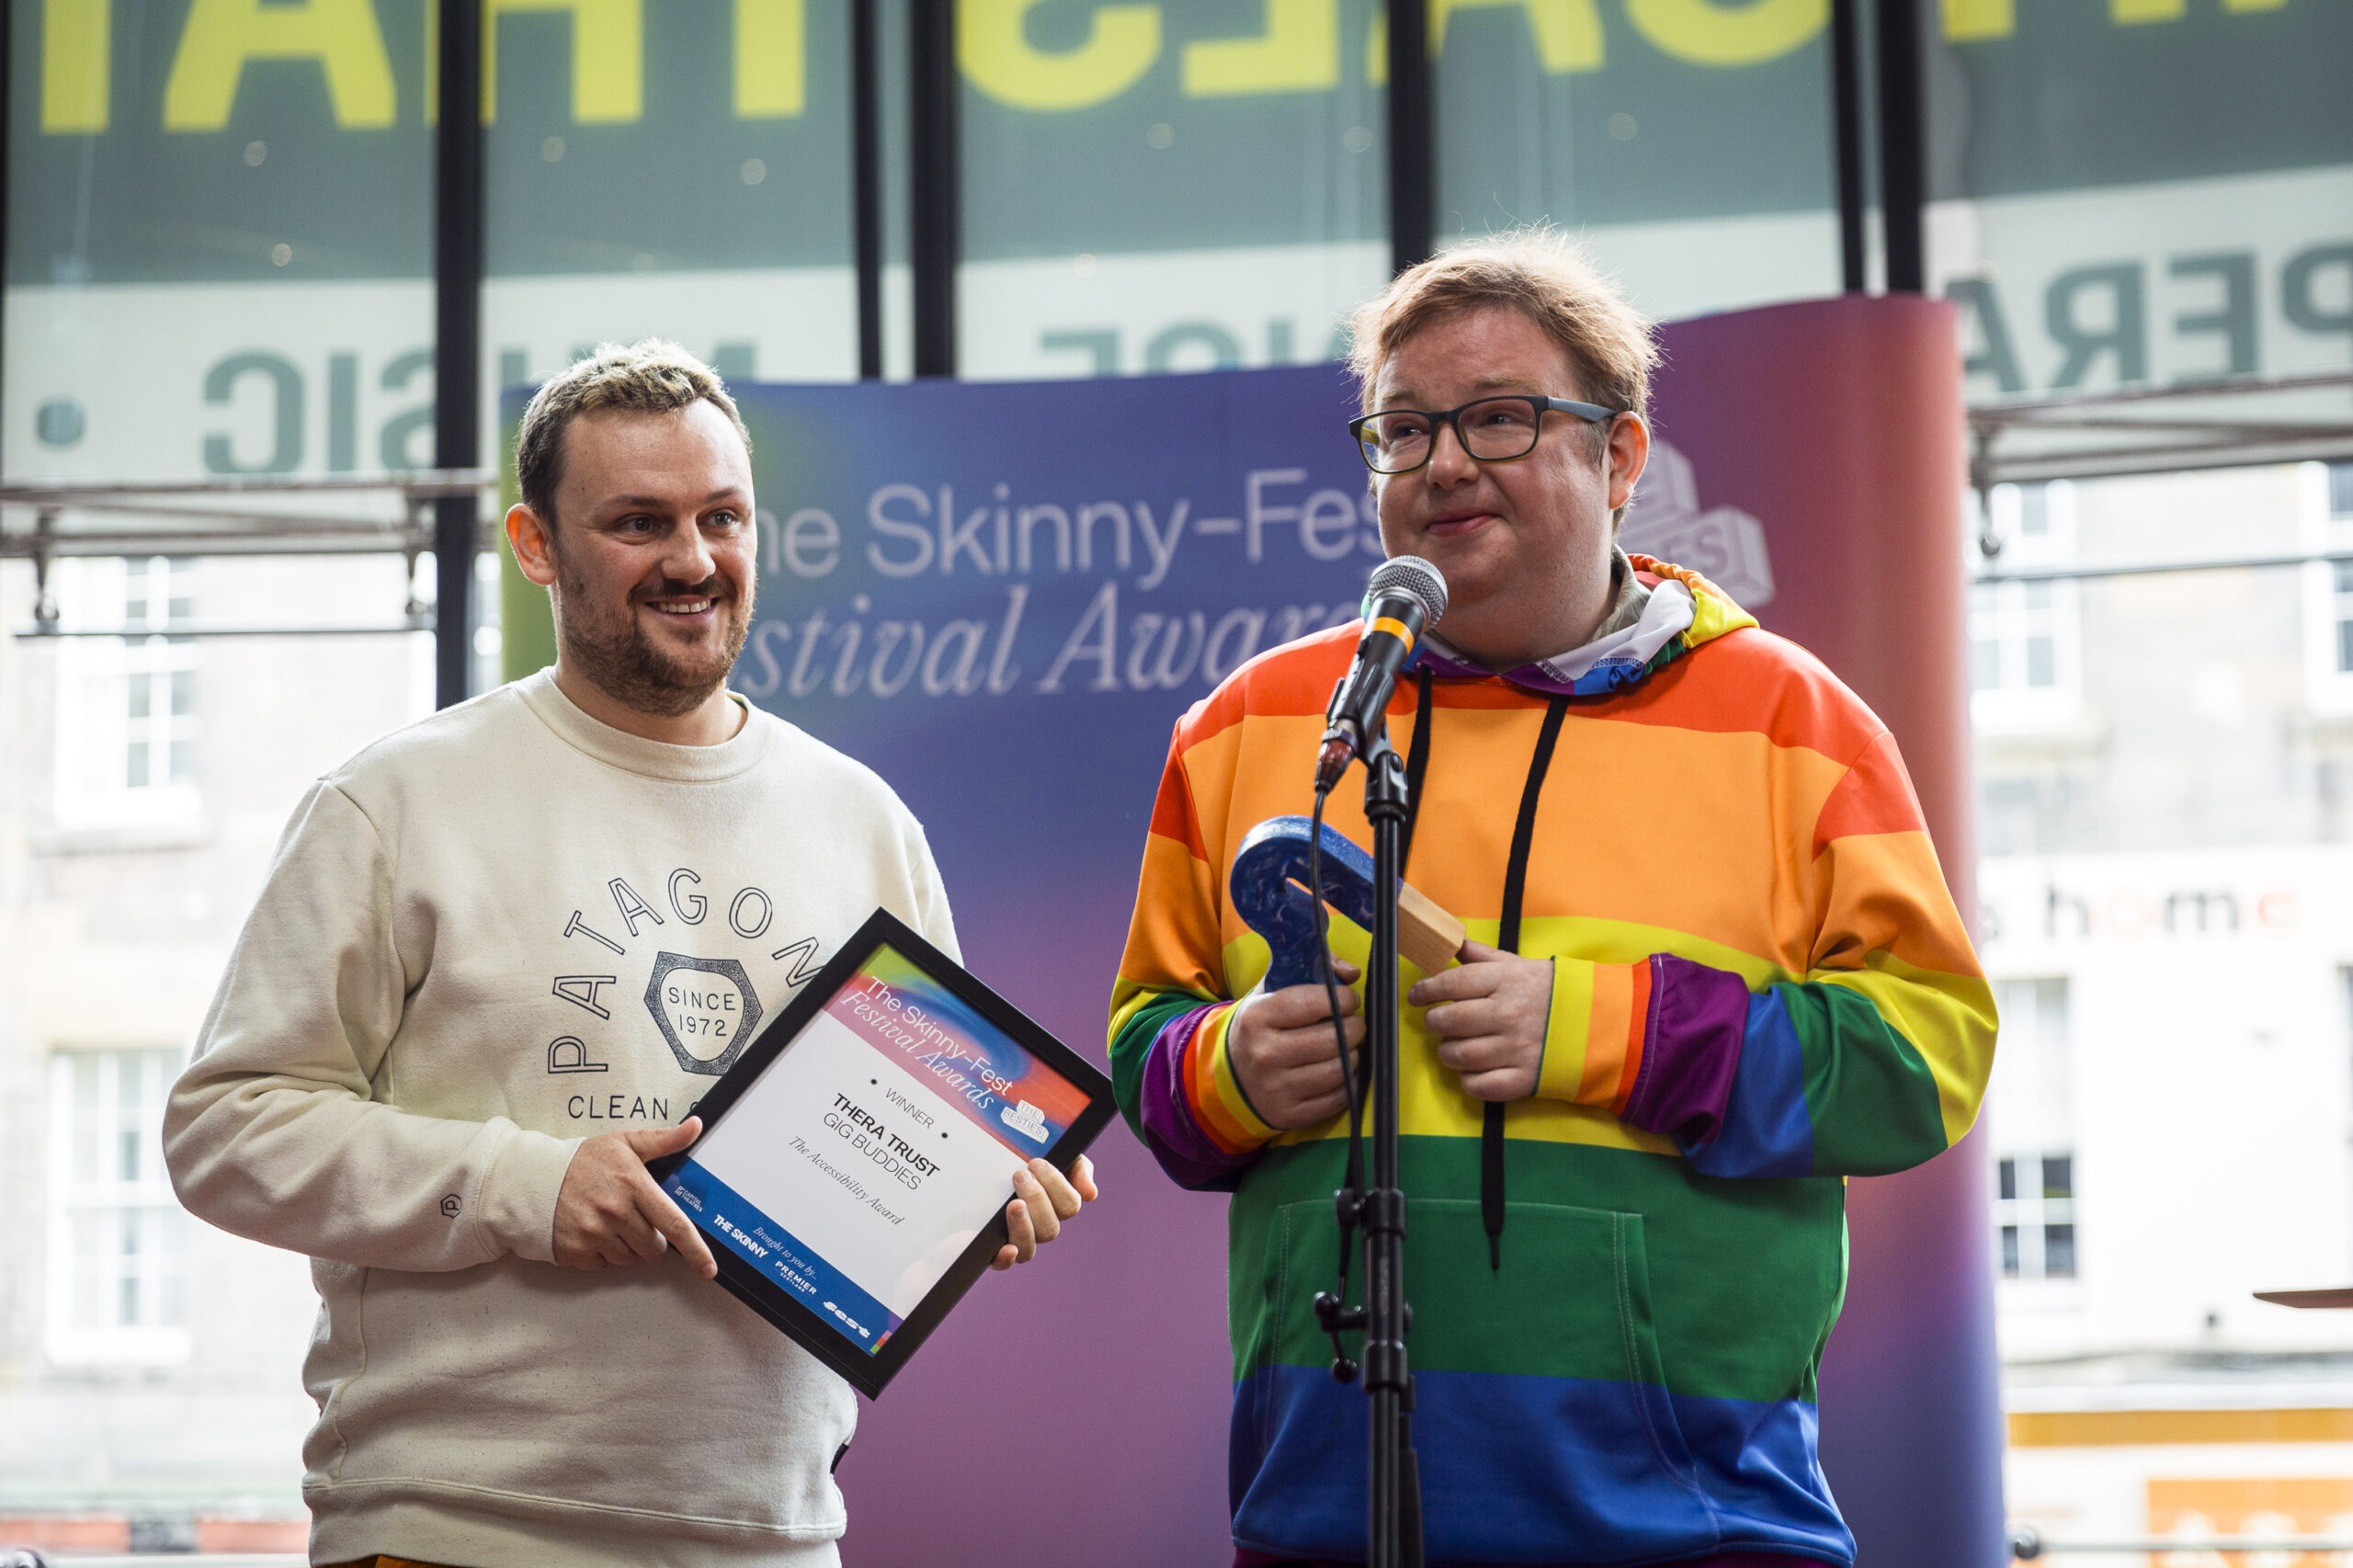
<point>1001,596</point>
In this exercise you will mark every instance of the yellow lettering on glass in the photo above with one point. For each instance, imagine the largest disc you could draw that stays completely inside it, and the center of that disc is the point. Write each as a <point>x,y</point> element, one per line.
<point>1707,33</point>
<point>994,50</point>
<point>1967,21</point>
<point>1568,32</point>
<point>2128,13</point>
<point>771,58</point>
<point>76,60</point>
<point>1297,52</point>
<point>222,35</point>
<point>607,57</point>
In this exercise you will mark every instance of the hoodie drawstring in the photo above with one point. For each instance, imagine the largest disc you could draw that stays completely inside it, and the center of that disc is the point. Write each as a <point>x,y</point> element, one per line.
<point>1417,766</point>
<point>1523,835</point>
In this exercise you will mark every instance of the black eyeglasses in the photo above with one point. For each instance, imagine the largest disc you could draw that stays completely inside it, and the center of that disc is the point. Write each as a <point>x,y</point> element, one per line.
<point>1493,429</point>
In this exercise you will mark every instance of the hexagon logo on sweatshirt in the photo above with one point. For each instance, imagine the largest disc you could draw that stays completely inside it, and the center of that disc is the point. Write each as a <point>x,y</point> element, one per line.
<point>704,1007</point>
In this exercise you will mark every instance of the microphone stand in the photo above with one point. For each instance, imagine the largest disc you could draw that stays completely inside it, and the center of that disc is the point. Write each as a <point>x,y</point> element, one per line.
<point>1395,1530</point>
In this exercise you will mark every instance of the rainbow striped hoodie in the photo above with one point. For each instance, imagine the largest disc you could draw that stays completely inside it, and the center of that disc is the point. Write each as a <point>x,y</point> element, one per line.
<point>1761,986</point>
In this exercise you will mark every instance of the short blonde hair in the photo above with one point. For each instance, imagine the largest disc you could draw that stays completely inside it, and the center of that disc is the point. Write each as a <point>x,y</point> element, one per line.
<point>1538,271</point>
<point>649,376</point>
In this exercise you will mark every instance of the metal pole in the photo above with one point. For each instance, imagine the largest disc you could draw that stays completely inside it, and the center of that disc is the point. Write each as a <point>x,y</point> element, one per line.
<point>7,86</point>
<point>45,610</point>
<point>1413,161</point>
<point>866,185</point>
<point>457,338</point>
<point>1903,142</point>
<point>934,197</point>
<point>1847,127</point>
<point>2025,1545</point>
<point>2084,573</point>
<point>1394,1533</point>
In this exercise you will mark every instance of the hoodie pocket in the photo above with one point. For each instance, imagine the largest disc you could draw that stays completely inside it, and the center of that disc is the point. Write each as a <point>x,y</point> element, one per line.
<point>1542,1421</point>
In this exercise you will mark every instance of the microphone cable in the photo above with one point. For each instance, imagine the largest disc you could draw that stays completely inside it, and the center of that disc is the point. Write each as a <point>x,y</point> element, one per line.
<point>1332,995</point>
<point>1344,1368</point>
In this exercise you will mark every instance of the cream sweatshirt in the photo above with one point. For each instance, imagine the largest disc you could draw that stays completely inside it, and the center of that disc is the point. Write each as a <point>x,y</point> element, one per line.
<point>486,937</point>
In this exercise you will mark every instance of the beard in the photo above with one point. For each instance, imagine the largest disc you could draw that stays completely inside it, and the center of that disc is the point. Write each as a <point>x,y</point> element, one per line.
<point>614,652</point>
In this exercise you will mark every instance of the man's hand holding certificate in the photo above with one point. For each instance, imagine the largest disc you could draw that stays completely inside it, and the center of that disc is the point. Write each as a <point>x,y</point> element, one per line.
<point>897,1130</point>
<point>610,1213</point>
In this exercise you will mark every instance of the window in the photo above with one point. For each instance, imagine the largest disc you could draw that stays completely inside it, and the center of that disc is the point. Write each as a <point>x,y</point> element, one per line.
<point>1699,184</point>
<point>2024,638</point>
<point>2013,637</point>
<point>118,1246</point>
<point>2027,525</point>
<point>2030,1106</point>
<point>2035,1214</point>
<point>700,191</point>
<point>2340,615</point>
<point>220,246</point>
<point>2023,652</point>
<point>2325,525</point>
<point>1201,189</point>
<point>127,711</point>
<point>158,675</point>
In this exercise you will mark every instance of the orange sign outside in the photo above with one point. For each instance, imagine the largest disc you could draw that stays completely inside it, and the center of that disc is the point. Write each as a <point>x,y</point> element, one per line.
<point>2250,1506</point>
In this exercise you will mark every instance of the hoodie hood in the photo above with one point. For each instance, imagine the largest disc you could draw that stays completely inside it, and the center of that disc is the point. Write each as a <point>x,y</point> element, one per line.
<point>1662,612</point>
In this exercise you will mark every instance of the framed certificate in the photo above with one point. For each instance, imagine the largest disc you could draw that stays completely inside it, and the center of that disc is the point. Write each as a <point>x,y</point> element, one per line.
<point>855,1162</point>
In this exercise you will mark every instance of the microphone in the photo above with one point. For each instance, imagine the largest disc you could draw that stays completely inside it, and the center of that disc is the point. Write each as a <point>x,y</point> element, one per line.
<point>1404,594</point>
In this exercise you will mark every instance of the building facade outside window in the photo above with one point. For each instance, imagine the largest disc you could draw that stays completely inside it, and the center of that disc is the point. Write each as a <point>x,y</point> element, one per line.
<point>118,1240</point>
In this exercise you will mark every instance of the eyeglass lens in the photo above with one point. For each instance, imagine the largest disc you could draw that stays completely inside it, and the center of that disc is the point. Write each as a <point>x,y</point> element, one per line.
<point>1492,431</point>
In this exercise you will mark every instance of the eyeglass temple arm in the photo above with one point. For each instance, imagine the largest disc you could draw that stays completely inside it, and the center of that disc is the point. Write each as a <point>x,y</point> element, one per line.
<point>1593,411</point>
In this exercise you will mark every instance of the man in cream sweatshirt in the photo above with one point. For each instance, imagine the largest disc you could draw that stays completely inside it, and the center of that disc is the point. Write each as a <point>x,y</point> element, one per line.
<point>446,1044</point>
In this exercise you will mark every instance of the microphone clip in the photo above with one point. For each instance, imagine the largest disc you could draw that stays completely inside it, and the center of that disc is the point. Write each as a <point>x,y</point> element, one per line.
<point>1336,1319</point>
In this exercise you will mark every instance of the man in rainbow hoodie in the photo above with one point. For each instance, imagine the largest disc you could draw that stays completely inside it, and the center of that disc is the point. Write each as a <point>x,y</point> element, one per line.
<point>1715,971</point>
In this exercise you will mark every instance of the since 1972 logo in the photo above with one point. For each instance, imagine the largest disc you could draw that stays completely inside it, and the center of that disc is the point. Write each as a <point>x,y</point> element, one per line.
<point>704,1007</point>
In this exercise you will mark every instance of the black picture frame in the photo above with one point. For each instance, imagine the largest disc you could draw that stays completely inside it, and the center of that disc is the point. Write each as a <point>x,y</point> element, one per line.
<point>870,1372</point>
